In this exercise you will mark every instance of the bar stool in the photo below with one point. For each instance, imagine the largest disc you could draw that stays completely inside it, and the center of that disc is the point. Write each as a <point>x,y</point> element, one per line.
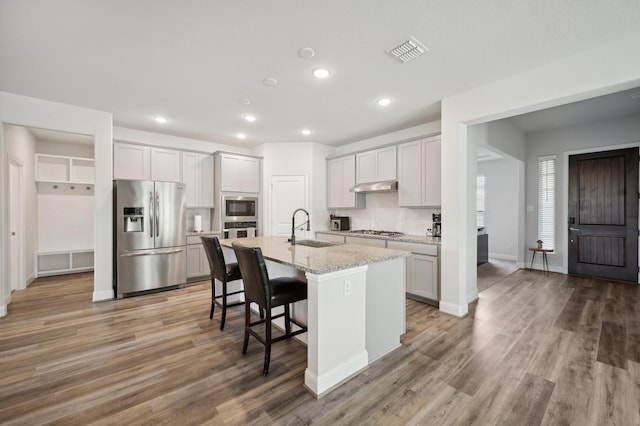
<point>224,273</point>
<point>267,294</point>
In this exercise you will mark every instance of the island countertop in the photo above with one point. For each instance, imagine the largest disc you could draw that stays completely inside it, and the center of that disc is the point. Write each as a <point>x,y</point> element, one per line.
<point>317,260</point>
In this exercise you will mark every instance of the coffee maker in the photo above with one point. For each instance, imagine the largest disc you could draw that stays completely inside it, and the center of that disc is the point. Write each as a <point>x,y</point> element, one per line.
<point>436,227</point>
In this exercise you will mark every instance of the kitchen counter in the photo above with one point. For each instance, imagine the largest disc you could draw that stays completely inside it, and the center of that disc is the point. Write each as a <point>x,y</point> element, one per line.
<point>320,260</point>
<point>355,309</point>
<point>407,238</point>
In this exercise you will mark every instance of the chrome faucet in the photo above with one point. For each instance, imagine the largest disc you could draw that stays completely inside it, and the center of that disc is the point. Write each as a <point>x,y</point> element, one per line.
<point>293,225</point>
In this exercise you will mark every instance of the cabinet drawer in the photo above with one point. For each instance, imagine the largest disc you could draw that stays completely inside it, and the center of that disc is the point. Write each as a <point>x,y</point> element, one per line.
<point>428,249</point>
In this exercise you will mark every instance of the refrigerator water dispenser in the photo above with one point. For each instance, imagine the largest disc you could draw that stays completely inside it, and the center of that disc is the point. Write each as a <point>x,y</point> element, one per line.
<point>133,219</point>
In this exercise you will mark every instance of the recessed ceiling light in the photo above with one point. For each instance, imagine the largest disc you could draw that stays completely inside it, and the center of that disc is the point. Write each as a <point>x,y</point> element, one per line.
<point>249,117</point>
<point>160,120</point>
<point>321,73</point>
<point>306,53</point>
<point>241,136</point>
<point>383,101</point>
<point>270,82</point>
<point>244,101</point>
<point>305,132</point>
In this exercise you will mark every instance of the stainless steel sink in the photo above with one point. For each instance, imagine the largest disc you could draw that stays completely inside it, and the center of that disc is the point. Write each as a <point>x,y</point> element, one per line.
<point>315,243</point>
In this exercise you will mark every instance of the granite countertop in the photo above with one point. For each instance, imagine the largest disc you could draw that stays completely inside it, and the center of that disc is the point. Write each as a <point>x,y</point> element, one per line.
<point>406,238</point>
<point>317,260</point>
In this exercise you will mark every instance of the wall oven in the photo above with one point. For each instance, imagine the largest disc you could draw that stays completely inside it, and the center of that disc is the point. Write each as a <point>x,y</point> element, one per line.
<point>240,230</point>
<point>239,208</point>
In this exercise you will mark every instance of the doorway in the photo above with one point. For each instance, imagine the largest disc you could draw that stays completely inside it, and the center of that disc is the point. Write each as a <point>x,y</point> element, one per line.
<point>287,194</point>
<point>16,224</point>
<point>603,214</point>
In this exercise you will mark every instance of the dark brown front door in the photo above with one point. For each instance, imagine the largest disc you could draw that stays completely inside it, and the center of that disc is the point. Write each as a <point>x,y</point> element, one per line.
<point>603,214</point>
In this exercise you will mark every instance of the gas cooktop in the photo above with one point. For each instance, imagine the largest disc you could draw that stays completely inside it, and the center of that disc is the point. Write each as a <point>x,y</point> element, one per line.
<point>376,232</point>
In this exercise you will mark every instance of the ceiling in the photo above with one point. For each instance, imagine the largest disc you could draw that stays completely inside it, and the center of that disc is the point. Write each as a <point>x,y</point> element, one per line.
<point>193,61</point>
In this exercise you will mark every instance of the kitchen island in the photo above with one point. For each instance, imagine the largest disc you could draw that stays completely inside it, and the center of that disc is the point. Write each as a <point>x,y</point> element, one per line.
<point>355,308</point>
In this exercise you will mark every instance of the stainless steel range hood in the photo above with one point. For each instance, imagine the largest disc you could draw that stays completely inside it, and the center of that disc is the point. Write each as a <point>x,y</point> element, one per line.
<point>386,186</point>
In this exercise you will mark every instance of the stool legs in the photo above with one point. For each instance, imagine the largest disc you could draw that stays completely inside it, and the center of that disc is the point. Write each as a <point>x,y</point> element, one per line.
<point>267,343</point>
<point>247,325</point>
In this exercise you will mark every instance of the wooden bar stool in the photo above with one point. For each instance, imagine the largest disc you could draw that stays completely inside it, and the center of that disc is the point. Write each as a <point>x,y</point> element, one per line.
<point>223,272</point>
<point>267,294</point>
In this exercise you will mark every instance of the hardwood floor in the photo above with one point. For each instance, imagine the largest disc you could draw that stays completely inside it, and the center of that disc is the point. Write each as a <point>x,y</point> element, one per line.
<point>536,349</point>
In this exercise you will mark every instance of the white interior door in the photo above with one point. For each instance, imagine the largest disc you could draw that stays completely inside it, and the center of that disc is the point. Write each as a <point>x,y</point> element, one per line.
<point>15,226</point>
<point>288,193</point>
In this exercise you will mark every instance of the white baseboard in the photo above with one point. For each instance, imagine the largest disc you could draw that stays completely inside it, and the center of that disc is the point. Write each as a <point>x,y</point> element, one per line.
<point>31,278</point>
<point>500,256</point>
<point>3,310</point>
<point>319,385</point>
<point>455,310</point>
<point>99,296</point>
<point>472,296</point>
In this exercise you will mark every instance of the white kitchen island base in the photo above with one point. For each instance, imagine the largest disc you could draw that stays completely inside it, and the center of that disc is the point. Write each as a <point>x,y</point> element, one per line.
<point>355,304</point>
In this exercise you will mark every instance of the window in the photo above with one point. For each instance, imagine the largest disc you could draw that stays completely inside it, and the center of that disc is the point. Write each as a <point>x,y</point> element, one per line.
<point>480,200</point>
<point>547,201</point>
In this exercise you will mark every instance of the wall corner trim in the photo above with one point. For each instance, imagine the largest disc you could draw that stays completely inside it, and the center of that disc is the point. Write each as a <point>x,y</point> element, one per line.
<point>3,310</point>
<point>453,309</point>
<point>99,296</point>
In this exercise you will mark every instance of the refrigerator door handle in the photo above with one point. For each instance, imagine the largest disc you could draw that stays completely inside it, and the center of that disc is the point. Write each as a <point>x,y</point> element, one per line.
<point>151,214</point>
<point>151,252</point>
<point>157,214</point>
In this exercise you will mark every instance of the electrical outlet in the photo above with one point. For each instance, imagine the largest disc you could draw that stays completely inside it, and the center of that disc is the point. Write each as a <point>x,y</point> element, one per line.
<point>347,288</point>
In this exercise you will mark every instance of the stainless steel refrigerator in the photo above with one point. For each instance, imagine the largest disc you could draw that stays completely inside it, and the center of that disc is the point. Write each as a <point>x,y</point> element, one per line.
<point>149,235</point>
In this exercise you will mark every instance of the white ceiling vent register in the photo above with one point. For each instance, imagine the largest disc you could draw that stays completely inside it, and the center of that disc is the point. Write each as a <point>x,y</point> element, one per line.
<point>407,50</point>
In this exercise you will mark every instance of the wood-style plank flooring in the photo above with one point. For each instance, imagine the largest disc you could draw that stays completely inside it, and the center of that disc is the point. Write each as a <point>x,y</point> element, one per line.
<point>536,349</point>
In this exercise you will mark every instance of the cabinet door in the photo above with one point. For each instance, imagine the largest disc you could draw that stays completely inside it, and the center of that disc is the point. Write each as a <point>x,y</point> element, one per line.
<point>206,181</point>
<point>206,269</point>
<point>431,192</point>
<point>197,263</point>
<point>190,177</point>
<point>424,276</point>
<point>165,165</point>
<point>386,164</point>
<point>250,174</point>
<point>131,162</point>
<point>230,173</point>
<point>348,182</point>
<point>334,183</point>
<point>410,174</point>
<point>366,167</point>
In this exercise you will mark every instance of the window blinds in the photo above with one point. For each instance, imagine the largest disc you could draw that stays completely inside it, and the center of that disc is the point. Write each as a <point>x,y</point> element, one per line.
<point>547,201</point>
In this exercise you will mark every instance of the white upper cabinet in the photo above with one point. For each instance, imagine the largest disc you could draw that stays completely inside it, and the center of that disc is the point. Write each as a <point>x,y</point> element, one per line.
<point>431,189</point>
<point>376,165</point>
<point>131,161</point>
<point>165,165</point>
<point>197,174</point>
<point>341,177</point>
<point>138,162</point>
<point>419,173</point>
<point>239,173</point>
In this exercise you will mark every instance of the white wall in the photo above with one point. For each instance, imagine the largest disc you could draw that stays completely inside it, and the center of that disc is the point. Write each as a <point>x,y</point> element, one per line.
<point>31,112</point>
<point>604,70</point>
<point>303,158</point>
<point>20,143</point>
<point>592,136</point>
<point>501,207</point>
<point>502,136</point>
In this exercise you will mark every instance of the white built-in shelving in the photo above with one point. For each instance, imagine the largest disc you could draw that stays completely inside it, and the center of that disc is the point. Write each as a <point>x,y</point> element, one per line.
<point>68,175</point>
<point>64,262</point>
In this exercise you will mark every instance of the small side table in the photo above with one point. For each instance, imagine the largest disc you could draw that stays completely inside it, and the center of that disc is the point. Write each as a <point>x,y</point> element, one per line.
<point>544,251</point>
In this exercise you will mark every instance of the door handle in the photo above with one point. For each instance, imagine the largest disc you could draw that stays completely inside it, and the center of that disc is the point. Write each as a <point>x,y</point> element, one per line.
<point>151,215</point>
<point>571,228</point>
<point>157,214</point>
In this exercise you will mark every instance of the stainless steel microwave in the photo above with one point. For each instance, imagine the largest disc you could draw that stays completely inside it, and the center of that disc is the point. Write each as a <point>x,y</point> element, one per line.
<point>239,208</point>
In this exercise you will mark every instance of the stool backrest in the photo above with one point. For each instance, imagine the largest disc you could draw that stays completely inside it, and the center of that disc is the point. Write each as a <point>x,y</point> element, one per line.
<point>254,275</point>
<point>216,257</point>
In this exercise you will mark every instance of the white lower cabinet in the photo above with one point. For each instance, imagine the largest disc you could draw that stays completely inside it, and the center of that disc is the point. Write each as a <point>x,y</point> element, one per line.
<point>197,262</point>
<point>422,270</point>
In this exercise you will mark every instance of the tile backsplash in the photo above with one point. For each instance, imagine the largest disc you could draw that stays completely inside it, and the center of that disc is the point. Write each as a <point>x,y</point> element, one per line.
<point>383,213</point>
<point>206,218</point>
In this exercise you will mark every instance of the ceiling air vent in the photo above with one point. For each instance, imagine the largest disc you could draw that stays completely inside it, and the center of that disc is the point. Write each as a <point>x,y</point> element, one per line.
<point>407,51</point>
